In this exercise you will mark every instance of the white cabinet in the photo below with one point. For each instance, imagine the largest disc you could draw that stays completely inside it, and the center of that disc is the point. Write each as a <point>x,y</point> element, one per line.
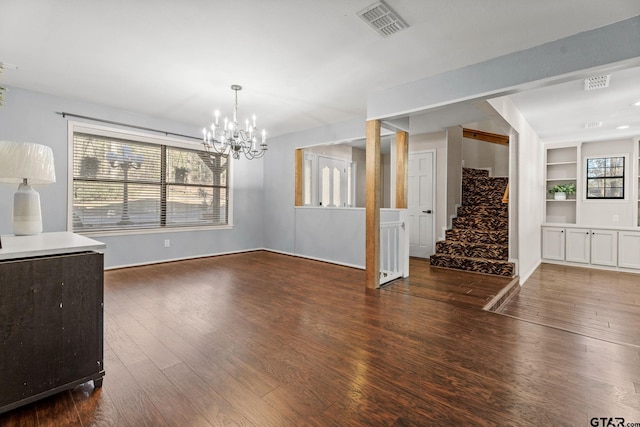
<point>629,249</point>
<point>578,245</point>
<point>604,247</point>
<point>553,243</point>
<point>588,246</point>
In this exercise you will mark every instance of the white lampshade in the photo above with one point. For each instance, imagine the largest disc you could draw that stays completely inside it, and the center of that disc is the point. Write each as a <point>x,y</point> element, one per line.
<point>20,160</point>
<point>26,163</point>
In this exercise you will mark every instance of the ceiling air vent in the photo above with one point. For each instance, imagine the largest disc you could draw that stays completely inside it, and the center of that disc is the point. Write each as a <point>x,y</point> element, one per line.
<point>384,20</point>
<point>597,82</point>
<point>592,125</point>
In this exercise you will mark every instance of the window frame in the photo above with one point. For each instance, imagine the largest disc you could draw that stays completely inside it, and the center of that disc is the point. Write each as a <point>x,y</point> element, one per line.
<point>625,174</point>
<point>147,138</point>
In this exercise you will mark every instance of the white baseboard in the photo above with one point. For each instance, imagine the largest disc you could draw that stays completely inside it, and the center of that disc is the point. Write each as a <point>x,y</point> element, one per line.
<point>139,264</point>
<point>524,277</point>
<point>345,264</point>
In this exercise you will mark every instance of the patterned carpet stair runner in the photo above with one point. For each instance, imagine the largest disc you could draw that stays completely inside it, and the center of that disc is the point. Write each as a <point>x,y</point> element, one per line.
<point>479,238</point>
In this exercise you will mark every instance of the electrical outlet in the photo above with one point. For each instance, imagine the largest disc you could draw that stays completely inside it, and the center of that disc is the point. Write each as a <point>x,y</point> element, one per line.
<point>616,218</point>
<point>167,243</point>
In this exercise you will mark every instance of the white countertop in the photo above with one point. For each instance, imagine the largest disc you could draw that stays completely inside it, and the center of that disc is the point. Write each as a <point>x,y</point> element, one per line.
<point>62,242</point>
<point>592,227</point>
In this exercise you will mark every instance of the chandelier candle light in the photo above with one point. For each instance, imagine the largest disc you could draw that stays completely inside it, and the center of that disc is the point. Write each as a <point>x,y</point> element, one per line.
<point>231,138</point>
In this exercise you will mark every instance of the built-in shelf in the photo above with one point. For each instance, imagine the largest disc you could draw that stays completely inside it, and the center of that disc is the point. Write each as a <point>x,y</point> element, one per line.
<point>561,163</point>
<point>561,168</point>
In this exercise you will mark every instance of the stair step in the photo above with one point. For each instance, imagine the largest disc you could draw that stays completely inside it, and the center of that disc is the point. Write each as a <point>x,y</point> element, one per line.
<point>491,237</point>
<point>472,173</point>
<point>501,210</point>
<point>483,190</point>
<point>478,265</point>
<point>473,250</point>
<point>480,223</point>
<point>486,198</point>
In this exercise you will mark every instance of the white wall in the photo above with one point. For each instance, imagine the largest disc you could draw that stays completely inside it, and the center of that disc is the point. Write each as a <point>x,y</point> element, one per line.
<point>339,151</point>
<point>486,155</point>
<point>385,180</point>
<point>616,213</point>
<point>454,171</point>
<point>529,188</point>
<point>30,116</point>
<point>360,159</point>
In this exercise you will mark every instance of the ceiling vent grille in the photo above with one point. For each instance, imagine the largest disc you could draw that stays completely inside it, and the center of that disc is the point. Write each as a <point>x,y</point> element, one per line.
<point>382,19</point>
<point>597,82</point>
<point>592,125</point>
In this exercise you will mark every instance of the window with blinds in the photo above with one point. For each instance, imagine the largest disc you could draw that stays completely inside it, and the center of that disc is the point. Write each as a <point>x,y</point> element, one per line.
<point>120,184</point>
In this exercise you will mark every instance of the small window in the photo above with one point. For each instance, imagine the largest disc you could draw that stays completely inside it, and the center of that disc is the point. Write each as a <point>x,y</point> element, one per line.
<point>605,178</point>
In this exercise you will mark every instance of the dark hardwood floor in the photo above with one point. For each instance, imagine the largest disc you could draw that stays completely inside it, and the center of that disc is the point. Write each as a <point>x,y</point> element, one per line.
<point>266,339</point>
<point>596,303</point>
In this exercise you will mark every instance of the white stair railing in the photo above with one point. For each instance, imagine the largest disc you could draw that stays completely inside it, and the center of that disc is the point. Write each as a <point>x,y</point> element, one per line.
<point>392,251</point>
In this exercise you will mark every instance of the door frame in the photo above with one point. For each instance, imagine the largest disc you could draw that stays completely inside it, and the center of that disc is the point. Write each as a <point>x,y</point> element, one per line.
<point>434,183</point>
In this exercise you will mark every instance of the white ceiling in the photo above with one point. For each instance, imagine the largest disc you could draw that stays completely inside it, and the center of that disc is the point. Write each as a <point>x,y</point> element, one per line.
<point>561,112</point>
<point>303,63</point>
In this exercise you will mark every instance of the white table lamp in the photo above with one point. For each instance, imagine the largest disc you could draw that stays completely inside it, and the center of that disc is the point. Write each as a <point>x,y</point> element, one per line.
<point>26,163</point>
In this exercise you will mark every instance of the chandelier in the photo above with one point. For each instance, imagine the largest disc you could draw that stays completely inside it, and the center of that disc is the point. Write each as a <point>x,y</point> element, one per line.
<point>231,138</point>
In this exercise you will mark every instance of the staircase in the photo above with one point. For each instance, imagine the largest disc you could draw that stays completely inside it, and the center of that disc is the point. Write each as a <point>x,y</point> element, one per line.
<point>479,239</point>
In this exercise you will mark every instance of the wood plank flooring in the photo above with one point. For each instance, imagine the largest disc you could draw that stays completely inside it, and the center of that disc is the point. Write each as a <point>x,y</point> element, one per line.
<point>596,303</point>
<point>447,285</point>
<point>271,340</point>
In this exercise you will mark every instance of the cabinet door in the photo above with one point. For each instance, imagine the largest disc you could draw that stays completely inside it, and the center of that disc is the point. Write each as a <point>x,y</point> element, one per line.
<point>553,243</point>
<point>604,247</point>
<point>578,245</point>
<point>629,249</point>
<point>31,333</point>
<point>82,316</point>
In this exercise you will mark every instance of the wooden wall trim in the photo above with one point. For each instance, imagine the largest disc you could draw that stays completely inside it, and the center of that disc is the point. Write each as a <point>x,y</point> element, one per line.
<point>402,172</point>
<point>373,205</point>
<point>299,177</point>
<point>485,136</point>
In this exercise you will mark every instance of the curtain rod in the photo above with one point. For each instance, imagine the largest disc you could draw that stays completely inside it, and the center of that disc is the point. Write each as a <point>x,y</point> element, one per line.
<point>64,114</point>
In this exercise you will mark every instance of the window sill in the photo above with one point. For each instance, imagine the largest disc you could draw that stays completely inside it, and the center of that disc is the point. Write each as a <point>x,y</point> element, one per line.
<point>105,233</point>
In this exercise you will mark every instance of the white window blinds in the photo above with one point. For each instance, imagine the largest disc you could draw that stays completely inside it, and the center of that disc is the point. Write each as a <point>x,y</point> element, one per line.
<point>120,184</point>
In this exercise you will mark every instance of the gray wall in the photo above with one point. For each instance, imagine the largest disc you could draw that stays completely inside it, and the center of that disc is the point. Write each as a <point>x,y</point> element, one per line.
<point>30,116</point>
<point>279,169</point>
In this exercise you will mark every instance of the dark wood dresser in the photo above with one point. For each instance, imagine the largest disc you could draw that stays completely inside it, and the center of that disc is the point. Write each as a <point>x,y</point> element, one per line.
<point>51,315</point>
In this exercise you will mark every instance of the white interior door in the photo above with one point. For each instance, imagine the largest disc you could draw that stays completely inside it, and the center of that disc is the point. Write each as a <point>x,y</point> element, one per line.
<point>333,183</point>
<point>420,204</point>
